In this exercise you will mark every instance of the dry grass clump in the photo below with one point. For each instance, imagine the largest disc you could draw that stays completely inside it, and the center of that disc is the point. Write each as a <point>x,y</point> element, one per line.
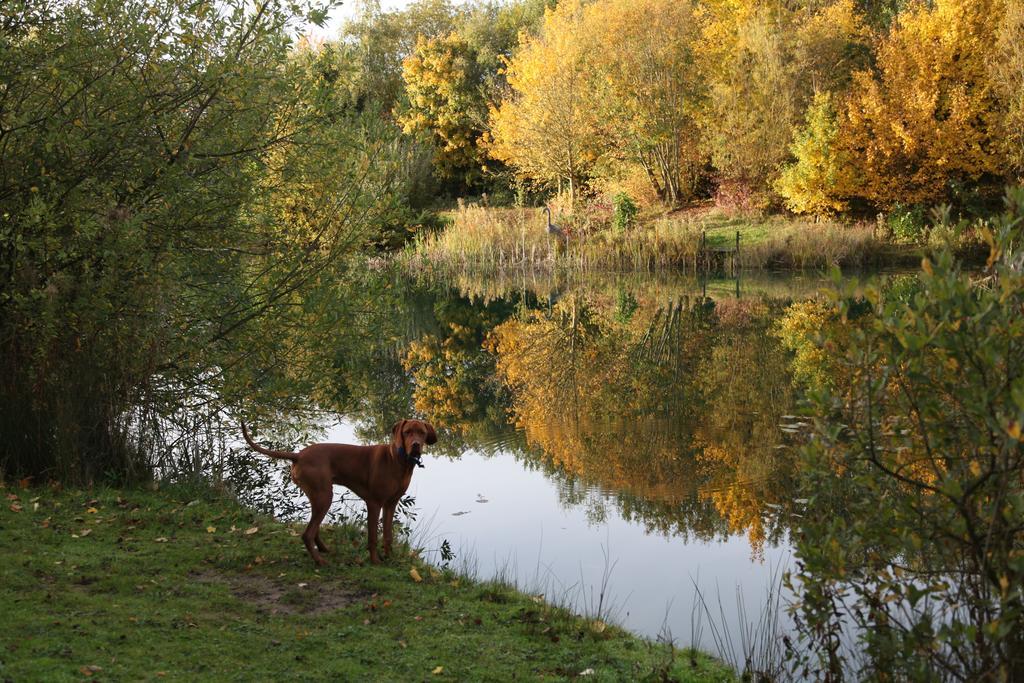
<point>496,238</point>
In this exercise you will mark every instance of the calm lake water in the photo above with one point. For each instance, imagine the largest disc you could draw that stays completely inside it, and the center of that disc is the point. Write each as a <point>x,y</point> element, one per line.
<point>635,434</point>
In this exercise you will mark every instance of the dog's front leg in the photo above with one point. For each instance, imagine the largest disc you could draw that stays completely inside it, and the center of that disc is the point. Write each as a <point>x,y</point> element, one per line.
<point>389,523</point>
<point>372,520</point>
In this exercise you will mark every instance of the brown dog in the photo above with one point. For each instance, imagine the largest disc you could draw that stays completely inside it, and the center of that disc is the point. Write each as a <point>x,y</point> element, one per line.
<point>377,474</point>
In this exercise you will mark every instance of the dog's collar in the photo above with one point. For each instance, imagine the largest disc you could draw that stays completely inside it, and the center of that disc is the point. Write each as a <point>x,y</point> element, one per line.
<point>407,458</point>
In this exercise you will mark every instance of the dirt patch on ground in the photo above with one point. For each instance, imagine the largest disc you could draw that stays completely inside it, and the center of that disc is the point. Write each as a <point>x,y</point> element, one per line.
<point>277,596</point>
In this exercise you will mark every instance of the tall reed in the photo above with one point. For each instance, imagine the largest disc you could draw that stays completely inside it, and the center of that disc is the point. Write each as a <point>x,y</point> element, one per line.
<point>482,238</point>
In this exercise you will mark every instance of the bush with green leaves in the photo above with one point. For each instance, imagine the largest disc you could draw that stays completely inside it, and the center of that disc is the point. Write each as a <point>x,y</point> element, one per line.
<point>907,223</point>
<point>624,212</point>
<point>175,183</point>
<point>910,555</point>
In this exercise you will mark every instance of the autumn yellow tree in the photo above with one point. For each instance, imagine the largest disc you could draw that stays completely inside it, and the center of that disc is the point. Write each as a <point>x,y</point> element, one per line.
<point>927,116</point>
<point>821,176</point>
<point>442,83</point>
<point>546,129</point>
<point>1008,78</point>
<point>649,88</point>
<point>832,44</point>
<point>746,55</point>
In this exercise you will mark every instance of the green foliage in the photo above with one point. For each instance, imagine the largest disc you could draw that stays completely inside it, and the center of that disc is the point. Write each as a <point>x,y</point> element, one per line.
<point>379,41</point>
<point>907,223</point>
<point>624,212</point>
<point>174,177</point>
<point>915,527</point>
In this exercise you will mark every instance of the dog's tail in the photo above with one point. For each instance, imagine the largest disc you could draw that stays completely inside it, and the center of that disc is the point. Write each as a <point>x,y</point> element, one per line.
<point>284,455</point>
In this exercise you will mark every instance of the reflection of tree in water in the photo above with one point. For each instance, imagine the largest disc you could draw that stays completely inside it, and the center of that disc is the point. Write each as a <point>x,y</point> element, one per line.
<point>666,406</point>
<point>675,409</point>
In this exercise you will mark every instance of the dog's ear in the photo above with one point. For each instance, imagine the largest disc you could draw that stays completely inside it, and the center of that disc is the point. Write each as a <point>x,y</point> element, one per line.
<point>431,434</point>
<point>395,432</point>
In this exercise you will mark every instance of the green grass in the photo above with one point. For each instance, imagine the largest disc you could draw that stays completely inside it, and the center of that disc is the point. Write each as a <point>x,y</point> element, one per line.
<point>188,585</point>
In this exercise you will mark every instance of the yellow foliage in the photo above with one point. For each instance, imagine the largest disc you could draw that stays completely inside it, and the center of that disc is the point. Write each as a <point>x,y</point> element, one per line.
<point>1007,67</point>
<point>821,175</point>
<point>546,128</point>
<point>440,389</point>
<point>928,115</point>
<point>649,90</point>
<point>746,55</point>
<point>832,44</point>
<point>441,82</point>
<point>809,329</point>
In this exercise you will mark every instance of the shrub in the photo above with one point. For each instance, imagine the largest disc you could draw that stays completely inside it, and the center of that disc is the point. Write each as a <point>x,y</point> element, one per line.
<point>624,212</point>
<point>914,548</point>
<point>906,223</point>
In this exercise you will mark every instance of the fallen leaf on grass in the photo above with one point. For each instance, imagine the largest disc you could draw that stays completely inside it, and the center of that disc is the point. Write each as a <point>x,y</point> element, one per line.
<point>415,575</point>
<point>45,523</point>
<point>598,626</point>
<point>251,530</point>
<point>85,532</point>
<point>15,507</point>
<point>12,496</point>
<point>438,671</point>
<point>161,539</point>
<point>92,511</point>
<point>211,529</point>
<point>587,672</point>
<point>89,669</point>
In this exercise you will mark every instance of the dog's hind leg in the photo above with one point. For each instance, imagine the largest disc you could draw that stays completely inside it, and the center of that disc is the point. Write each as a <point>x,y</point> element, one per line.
<point>320,501</point>
<point>320,545</point>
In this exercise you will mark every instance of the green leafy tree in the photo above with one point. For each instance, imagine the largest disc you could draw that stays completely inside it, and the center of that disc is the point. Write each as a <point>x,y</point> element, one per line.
<point>912,543</point>
<point>378,42</point>
<point>172,180</point>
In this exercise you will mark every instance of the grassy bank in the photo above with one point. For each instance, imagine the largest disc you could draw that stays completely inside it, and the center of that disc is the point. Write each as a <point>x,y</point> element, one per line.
<point>479,237</point>
<point>187,585</point>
